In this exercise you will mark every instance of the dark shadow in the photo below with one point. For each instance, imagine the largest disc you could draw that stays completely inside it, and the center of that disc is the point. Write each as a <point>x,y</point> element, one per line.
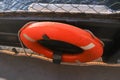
<point>26,68</point>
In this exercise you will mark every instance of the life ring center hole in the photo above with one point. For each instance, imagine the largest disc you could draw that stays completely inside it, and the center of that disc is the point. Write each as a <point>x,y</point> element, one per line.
<point>60,46</point>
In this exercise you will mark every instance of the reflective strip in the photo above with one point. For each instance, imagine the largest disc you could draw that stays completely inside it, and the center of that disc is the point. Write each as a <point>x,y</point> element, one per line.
<point>28,38</point>
<point>94,36</point>
<point>89,46</point>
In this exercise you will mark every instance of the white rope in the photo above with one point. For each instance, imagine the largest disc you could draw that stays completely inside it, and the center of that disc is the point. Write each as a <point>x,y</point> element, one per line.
<point>21,43</point>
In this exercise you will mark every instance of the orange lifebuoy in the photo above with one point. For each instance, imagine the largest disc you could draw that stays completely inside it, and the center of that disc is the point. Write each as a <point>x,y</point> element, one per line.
<point>34,32</point>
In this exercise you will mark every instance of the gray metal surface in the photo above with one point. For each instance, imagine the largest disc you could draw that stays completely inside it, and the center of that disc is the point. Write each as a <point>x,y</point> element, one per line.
<point>26,68</point>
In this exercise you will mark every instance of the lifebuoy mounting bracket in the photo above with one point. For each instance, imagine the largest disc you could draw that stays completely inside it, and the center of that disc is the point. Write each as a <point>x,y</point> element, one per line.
<point>56,54</point>
<point>57,57</point>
